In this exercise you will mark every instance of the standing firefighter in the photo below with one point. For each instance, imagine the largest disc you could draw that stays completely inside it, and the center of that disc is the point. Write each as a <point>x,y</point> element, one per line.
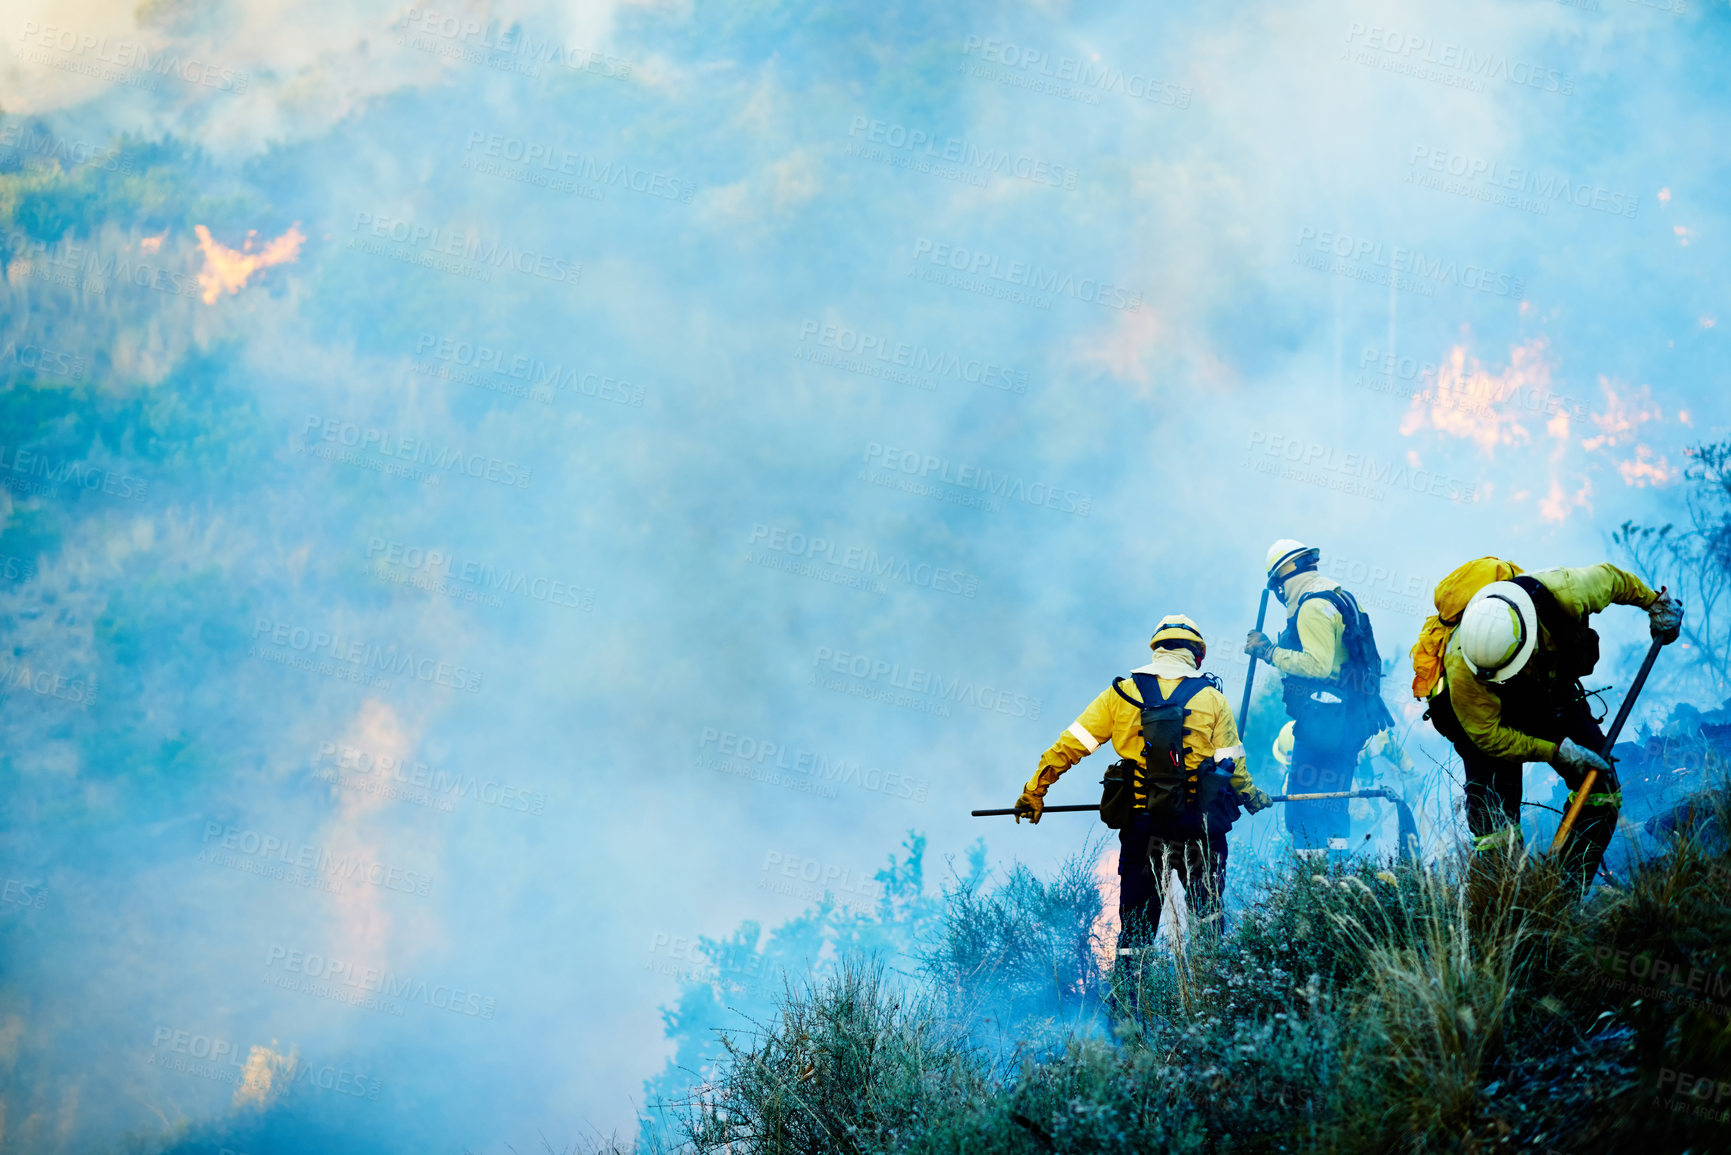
<point>1508,691</point>
<point>1332,685</point>
<point>1177,786</point>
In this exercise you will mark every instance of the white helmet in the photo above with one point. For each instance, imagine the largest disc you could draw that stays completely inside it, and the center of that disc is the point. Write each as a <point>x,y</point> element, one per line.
<point>1283,744</point>
<point>1499,630</point>
<point>1287,557</point>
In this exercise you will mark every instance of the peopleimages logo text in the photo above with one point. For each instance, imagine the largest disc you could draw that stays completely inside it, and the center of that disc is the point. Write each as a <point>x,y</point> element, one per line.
<point>1085,74</point>
<point>509,38</point>
<point>1310,459</point>
<point>919,358</point>
<point>214,1057</point>
<point>999,485</point>
<point>393,446</point>
<point>918,681</point>
<point>551,158</point>
<point>442,566</point>
<point>955,150</point>
<point>33,143</point>
<point>74,264</point>
<point>445,242</point>
<point>18,674</point>
<point>1523,180</point>
<point>528,368</point>
<point>32,471</point>
<point>1417,48</point>
<point>55,362</point>
<point>1410,262</point>
<point>378,981</point>
<point>364,655</point>
<point>862,560</point>
<point>1024,275</point>
<point>377,768</point>
<point>130,55</point>
<point>1475,392</point>
<point>321,860</point>
<point>758,756</point>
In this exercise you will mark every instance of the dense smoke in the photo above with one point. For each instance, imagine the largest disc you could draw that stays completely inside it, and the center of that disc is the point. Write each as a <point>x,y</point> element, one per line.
<point>495,494</point>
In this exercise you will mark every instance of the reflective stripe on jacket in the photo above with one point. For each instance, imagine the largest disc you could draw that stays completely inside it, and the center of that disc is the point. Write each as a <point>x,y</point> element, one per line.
<point>1209,730</point>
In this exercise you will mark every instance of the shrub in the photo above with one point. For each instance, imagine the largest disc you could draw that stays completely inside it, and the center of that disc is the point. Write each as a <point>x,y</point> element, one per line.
<point>1470,1004</point>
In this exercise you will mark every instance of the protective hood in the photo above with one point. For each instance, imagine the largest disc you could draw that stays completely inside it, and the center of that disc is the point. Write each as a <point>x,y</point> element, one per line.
<point>1308,582</point>
<point>1170,664</point>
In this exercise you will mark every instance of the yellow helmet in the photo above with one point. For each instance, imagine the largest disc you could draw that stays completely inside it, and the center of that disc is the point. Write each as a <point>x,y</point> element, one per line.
<point>1283,745</point>
<point>1175,631</point>
<point>1287,557</point>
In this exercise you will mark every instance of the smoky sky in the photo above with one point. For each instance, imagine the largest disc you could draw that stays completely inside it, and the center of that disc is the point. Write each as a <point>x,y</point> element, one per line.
<point>688,440</point>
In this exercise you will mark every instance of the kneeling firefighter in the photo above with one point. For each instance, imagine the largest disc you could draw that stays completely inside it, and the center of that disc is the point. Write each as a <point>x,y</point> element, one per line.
<point>1332,685</point>
<point>1177,786</point>
<point>1510,691</point>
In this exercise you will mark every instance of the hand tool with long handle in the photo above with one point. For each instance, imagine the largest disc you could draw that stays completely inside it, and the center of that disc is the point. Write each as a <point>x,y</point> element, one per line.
<point>1580,801</point>
<point>1250,674</point>
<point>1243,716</point>
<point>1406,827</point>
<point>1379,792</point>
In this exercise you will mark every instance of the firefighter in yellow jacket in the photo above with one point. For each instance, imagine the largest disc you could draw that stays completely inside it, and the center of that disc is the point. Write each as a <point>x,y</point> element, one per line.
<point>1171,798</point>
<point>1331,684</point>
<point>1511,693</point>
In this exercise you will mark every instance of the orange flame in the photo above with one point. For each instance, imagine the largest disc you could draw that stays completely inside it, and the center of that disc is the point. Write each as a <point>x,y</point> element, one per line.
<point>1557,503</point>
<point>1625,412</point>
<point>226,268</point>
<point>1104,933</point>
<point>364,924</point>
<point>1643,471</point>
<point>152,244</point>
<point>1489,409</point>
<point>1509,407</point>
<point>260,1085</point>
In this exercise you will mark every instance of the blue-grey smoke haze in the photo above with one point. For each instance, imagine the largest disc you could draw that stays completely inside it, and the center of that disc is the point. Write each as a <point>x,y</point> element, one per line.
<point>692,445</point>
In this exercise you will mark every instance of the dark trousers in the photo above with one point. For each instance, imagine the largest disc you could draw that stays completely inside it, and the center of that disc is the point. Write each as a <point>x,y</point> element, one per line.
<point>1493,785</point>
<point>1319,768</point>
<point>1145,863</point>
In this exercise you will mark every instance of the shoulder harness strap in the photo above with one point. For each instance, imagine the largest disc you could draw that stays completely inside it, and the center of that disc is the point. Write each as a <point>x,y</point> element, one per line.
<point>1149,686</point>
<point>1118,688</point>
<point>1344,604</point>
<point>1552,616</point>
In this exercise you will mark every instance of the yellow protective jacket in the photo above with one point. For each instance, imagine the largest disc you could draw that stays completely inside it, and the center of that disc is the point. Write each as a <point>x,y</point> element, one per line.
<point>1585,590</point>
<point>1209,730</point>
<point>1321,631</point>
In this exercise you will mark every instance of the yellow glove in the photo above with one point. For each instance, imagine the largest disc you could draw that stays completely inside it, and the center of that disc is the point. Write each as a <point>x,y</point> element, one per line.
<point>1030,806</point>
<point>1259,646</point>
<point>1255,799</point>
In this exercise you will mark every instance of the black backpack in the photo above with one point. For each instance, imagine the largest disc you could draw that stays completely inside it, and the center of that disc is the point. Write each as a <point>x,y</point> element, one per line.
<point>1550,685</point>
<point>1576,642</point>
<point>1180,803</point>
<point>1359,682</point>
